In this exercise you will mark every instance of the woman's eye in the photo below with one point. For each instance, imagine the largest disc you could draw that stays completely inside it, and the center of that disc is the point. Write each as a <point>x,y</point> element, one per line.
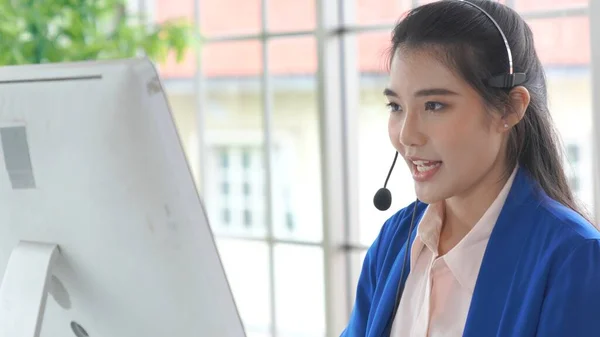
<point>393,107</point>
<point>434,106</point>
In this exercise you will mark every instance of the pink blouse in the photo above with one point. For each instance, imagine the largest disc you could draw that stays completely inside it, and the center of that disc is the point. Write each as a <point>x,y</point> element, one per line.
<point>438,290</point>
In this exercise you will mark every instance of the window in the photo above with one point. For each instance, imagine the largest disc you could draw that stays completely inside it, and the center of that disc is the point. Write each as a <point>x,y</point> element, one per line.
<point>226,216</point>
<point>578,162</point>
<point>573,153</point>
<point>224,157</point>
<point>573,167</point>
<point>239,172</point>
<point>293,121</point>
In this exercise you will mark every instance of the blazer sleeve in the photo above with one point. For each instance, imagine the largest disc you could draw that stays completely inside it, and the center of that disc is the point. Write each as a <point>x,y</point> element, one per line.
<point>367,281</point>
<point>572,304</point>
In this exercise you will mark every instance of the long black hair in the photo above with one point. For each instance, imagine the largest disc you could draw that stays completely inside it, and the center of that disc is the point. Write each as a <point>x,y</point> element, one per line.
<point>467,41</point>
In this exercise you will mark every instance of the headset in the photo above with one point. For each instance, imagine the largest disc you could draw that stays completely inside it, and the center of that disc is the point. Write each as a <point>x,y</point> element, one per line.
<point>383,198</point>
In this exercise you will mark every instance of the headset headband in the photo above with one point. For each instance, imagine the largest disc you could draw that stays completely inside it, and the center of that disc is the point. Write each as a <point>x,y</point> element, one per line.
<point>504,80</point>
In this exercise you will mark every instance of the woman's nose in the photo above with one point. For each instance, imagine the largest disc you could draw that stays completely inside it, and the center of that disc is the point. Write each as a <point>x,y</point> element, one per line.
<point>410,131</point>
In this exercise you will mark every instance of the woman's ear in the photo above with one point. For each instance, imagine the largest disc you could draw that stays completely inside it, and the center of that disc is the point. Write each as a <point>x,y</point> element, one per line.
<point>518,102</point>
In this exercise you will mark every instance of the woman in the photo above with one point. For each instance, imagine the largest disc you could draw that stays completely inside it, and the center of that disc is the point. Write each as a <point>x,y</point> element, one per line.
<point>501,247</point>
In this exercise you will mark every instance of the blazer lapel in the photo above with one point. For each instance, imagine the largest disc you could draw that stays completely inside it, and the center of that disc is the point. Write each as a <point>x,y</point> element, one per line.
<point>501,258</point>
<point>385,310</point>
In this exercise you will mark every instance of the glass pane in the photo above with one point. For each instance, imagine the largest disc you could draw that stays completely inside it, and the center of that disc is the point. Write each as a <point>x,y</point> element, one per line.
<point>380,11</point>
<point>296,175</point>
<point>247,267</point>
<point>375,152</point>
<point>182,102</point>
<point>562,42</point>
<point>183,108</point>
<point>537,5</point>
<point>229,17</point>
<point>235,175</point>
<point>173,9</point>
<point>299,291</point>
<point>564,48</point>
<point>229,60</point>
<point>165,10</point>
<point>291,15</point>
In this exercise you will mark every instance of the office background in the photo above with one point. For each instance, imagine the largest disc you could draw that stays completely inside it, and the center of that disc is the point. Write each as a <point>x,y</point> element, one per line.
<point>285,126</point>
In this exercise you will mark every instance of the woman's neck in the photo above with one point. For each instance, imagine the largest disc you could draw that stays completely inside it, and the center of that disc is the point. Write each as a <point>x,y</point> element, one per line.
<point>462,212</point>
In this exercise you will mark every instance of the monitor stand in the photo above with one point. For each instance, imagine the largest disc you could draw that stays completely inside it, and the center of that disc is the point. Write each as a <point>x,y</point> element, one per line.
<point>24,288</point>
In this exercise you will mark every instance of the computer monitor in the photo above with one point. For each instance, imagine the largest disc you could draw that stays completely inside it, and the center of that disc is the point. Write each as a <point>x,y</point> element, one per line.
<point>102,231</point>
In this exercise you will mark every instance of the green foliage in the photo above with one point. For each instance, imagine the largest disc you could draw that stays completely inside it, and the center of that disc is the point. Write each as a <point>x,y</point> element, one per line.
<point>40,31</point>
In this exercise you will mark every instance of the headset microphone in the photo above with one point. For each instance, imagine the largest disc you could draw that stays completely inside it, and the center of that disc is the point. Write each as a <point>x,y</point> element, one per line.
<point>383,198</point>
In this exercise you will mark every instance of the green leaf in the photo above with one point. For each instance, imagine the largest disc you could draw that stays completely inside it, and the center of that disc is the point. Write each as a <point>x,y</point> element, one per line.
<point>37,31</point>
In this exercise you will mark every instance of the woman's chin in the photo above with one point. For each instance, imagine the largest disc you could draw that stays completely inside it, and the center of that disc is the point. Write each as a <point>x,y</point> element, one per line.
<point>428,194</point>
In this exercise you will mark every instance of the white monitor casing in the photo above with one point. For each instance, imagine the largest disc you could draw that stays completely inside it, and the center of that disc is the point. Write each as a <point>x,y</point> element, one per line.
<point>99,209</point>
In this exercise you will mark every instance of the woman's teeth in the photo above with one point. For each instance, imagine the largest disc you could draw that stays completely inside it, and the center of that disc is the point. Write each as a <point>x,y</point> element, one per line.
<point>424,166</point>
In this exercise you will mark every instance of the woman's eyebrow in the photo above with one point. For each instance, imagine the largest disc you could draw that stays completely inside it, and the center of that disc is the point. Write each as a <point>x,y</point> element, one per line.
<point>423,92</point>
<point>435,92</point>
<point>389,92</point>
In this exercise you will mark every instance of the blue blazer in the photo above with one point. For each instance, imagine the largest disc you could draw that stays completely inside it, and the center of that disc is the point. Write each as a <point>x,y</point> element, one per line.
<point>540,274</point>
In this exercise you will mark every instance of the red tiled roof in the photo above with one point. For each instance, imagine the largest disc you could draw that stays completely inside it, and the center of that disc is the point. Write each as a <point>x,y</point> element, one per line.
<point>559,41</point>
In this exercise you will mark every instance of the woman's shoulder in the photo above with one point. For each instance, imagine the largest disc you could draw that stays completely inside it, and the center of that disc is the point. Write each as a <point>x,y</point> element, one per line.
<point>565,224</point>
<point>562,235</point>
<point>551,218</point>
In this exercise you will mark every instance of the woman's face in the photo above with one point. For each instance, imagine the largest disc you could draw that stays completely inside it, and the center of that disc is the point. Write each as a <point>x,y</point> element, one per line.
<point>440,126</point>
